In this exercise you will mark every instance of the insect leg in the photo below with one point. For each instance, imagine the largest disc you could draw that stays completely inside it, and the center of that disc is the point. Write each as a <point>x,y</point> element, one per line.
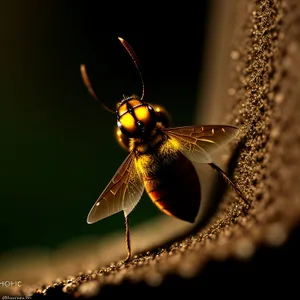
<point>238,191</point>
<point>128,247</point>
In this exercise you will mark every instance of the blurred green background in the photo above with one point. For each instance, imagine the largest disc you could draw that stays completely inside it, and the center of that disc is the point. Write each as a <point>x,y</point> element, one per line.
<point>58,149</point>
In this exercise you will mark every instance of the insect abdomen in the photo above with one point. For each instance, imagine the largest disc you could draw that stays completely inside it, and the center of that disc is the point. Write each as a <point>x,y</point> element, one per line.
<point>175,189</point>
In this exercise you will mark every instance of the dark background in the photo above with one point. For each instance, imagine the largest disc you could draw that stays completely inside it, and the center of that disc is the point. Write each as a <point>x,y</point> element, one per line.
<point>58,149</point>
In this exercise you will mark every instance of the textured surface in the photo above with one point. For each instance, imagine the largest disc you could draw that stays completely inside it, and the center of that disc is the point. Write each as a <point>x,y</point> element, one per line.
<point>235,248</point>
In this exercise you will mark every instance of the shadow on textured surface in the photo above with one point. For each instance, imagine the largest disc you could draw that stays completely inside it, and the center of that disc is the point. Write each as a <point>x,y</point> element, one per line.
<point>231,253</point>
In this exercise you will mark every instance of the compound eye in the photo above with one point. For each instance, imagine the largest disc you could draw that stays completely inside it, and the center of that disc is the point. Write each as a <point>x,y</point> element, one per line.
<point>127,122</point>
<point>142,113</point>
<point>135,118</point>
<point>162,115</point>
<point>145,115</point>
<point>122,139</point>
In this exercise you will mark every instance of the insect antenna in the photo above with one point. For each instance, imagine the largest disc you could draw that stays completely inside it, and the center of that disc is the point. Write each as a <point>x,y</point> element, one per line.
<point>88,85</point>
<point>136,62</point>
<point>238,191</point>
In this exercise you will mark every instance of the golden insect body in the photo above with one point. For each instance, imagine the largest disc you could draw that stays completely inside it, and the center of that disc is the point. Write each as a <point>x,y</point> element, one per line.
<point>161,159</point>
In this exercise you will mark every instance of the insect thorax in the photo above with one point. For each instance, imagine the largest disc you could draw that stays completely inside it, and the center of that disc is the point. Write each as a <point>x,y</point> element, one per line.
<point>153,154</point>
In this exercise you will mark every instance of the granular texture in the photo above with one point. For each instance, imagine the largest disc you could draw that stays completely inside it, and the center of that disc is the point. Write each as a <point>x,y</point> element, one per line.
<point>240,249</point>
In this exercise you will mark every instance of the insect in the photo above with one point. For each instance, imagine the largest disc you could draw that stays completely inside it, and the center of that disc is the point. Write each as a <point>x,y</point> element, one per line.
<point>160,160</point>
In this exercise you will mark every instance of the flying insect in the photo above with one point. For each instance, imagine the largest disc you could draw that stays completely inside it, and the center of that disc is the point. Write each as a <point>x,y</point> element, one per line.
<point>161,159</point>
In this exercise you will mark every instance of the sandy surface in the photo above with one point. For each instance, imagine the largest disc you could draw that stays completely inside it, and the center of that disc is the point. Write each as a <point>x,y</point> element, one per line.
<point>237,249</point>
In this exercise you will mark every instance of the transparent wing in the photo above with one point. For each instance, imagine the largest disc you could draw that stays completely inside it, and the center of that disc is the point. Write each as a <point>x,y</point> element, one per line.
<point>197,143</point>
<point>122,193</point>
